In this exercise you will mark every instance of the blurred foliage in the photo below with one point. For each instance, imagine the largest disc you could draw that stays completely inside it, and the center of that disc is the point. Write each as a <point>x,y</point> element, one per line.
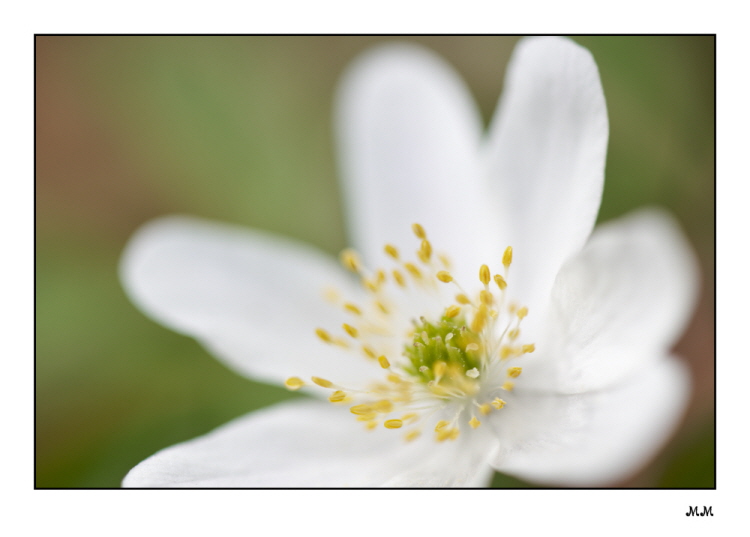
<point>238,129</point>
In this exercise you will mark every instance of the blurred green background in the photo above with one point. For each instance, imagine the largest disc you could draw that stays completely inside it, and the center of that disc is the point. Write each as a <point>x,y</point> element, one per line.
<point>239,129</point>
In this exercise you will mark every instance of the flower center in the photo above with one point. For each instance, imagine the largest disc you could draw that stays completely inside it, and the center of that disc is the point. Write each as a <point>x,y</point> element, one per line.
<point>440,366</point>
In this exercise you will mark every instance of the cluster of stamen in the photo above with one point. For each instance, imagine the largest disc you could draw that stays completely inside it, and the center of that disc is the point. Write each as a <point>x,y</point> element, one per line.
<point>447,371</point>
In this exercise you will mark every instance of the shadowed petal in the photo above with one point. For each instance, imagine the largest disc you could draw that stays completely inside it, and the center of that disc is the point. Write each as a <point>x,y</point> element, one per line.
<point>408,134</point>
<point>545,157</point>
<point>617,305</point>
<point>252,298</point>
<point>592,439</point>
<point>301,444</point>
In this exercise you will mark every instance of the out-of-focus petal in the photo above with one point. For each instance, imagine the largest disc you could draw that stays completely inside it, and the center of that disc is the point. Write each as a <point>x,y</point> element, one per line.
<point>251,298</point>
<point>617,305</point>
<point>299,444</point>
<point>545,158</point>
<point>408,134</point>
<point>592,439</point>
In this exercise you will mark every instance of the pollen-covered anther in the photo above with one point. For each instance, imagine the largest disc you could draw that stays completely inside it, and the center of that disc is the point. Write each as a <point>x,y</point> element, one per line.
<point>337,396</point>
<point>463,299</point>
<point>351,308</point>
<point>418,231</point>
<point>412,269</point>
<point>391,250</point>
<point>452,311</point>
<point>362,410</point>
<point>474,422</point>
<point>514,372</point>
<point>528,348</point>
<point>484,274</point>
<point>383,361</point>
<point>325,336</point>
<point>393,424</point>
<point>485,409</point>
<point>294,383</point>
<point>444,276</point>
<point>323,383</point>
<point>425,251</point>
<point>498,403</point>
<point>507,257</point>
<point>508,386</point>
<point>399,278</point>
<point>412,435</point>
<point>522,312</point>
<point>473,372</point>
<point>500,281</point>
<point>486,297</point>
<point>350,260</point>
<point>447,434</point>
<point>349,329</point>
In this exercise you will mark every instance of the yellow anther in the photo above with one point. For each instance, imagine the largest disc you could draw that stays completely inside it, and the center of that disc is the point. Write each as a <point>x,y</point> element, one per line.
<point>444,276</point>
<point>370,425</point>
<point>472,347</point>
<point>508,386</point>
<point>440,425</point>
<point>361,410</point>
<point>418,231</point>
<point>447,434</point>
<point>337,396</point>
<point>381,307</point>
<point>462,299</point>
<point>394,378</point>
<point>506,352</point>
<point>484,274</point>
<point>393,424</point>
<point>399,278</point>
<point>425,250</point>
<point>500,281</point>
<point>351,308</point>
<point>367,416</point>
<point>412,435</point>
<point>485,409</point>
<point>383,406</point>
<point>498,403</point>
<point>480,319</point>
<point>380,276</point>
<point>439,368</point>
<point>528,348</point>
<point>452,311</point>
<point>369,352</point>
<point>512,307</point>
<point>409,416</point>
<point>350,260</point>
<point>413,270</point>
<point>323,383</point>
<point>522,312</point>
<point>514,372</point>
<point>370,284</point>
<point>391,251</point>
<point>384,363</point>
<point>486,297</point>
<point>294,383</point>
<point>325,336</point>
<point>350,330</point>
<point>513,333</point>
<point>474,422</point>
<point>508,257</point>
<point>444,260</point>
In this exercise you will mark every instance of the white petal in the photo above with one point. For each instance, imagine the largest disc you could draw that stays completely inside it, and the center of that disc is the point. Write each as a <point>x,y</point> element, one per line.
<point>623,300</point>
<point>596,438</point>
<point>545,156</point>
<point>300,444</point>
<point>409,135</point>
<point>252,298</point>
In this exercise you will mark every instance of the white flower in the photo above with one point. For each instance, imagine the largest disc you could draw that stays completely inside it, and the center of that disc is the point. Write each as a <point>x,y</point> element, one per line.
<point>553,366</point>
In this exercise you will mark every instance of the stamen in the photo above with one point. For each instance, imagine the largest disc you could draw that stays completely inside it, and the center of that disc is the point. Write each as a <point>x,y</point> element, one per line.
<point>350,330</point>
<point>323,383</point>
<point>484,274</point>
<point>444,276</point>
<point>393,424</point>
<point>350,260</point>
<point>418,231</point>
<point>294,383</point>
<point>384,363</point>
<point>474,422</point>
<point>507,257</point>
<point>514,372</point>
<point>498,403</point>
<point>500,281</point>
<point>391,251</point>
